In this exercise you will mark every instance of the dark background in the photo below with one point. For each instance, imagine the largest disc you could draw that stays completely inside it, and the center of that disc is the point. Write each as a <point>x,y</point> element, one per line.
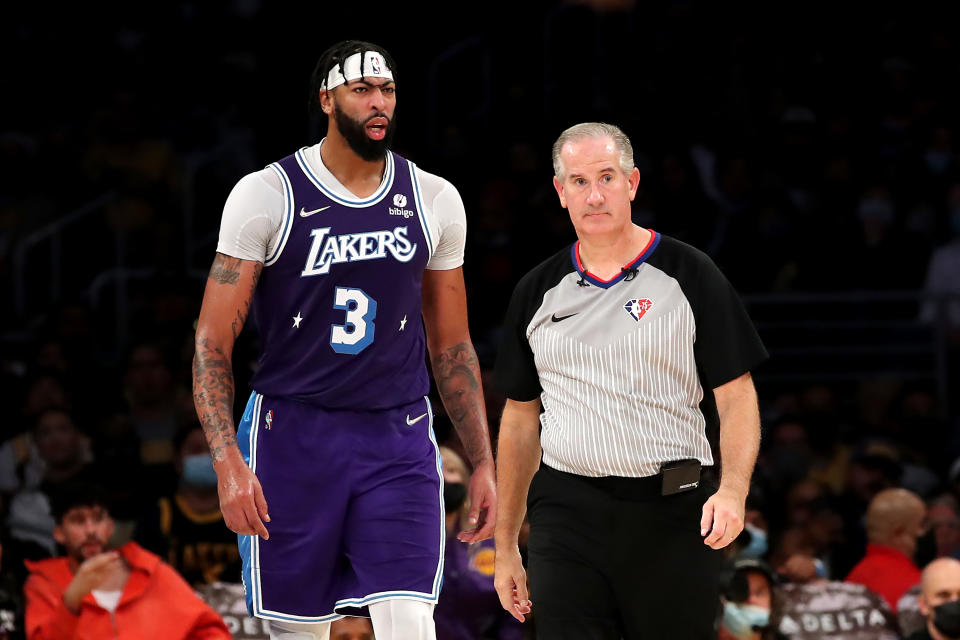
<point>809,149</point>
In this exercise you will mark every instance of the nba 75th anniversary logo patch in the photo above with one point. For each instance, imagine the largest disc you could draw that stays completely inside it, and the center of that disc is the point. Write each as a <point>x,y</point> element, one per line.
<point>637,307</point>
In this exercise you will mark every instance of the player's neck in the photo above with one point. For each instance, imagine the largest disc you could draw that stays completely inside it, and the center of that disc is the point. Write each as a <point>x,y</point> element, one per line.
<point>604,256</point>
<point>360,177</point>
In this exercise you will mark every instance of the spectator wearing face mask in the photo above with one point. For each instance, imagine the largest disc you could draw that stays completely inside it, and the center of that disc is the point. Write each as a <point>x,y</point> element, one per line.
<point>748,598</point>
<point>895,520</point>
<point>940,601</point>
<point>187,528</point>
<point>469,608</point>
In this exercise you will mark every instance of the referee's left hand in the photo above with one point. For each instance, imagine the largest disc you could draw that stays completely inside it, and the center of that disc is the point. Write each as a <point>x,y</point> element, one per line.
<point>722,519</point>
<point>483,503</point>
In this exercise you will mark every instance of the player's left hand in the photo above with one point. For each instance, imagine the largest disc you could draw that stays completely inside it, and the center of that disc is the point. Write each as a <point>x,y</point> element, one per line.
<point>483,504</point>
<point>722,518</point>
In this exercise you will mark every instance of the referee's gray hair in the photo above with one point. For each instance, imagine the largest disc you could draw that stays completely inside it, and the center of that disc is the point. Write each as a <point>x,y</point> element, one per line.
<point>589,131</point>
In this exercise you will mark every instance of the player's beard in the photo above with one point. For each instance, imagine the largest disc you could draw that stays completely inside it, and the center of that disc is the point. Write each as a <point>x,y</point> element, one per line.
<point>355,133</point>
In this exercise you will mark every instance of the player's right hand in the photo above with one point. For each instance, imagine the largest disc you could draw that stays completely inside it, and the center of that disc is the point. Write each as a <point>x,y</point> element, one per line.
<point>242,503</point>
<point>510,580</point>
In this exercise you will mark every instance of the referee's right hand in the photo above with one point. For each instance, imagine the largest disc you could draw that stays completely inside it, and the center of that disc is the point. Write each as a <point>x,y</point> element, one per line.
<point>242,503</point>
<point>510,580</point>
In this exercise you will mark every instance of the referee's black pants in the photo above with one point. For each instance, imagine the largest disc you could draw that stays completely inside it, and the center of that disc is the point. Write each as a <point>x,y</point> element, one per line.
<point>612,558</point>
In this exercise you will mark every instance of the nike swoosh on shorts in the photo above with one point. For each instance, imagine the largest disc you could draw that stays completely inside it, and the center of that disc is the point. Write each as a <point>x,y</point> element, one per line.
<point>415,420</point>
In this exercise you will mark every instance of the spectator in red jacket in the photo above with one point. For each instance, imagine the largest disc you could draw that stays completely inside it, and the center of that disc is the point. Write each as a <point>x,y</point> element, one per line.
<point>894,522</point>
<point>96,592</point>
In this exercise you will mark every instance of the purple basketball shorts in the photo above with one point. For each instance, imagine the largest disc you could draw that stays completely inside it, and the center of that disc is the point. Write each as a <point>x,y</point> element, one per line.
<point>356,507</point>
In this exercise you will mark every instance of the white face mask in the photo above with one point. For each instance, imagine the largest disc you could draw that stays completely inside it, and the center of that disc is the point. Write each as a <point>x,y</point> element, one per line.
<point>743,620</point>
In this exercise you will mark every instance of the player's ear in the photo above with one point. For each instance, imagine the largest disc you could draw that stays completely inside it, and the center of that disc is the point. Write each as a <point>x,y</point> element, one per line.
<point>559,187</point>
<point>58,535</point>
<point>633,179</point>
<point>326,101</point>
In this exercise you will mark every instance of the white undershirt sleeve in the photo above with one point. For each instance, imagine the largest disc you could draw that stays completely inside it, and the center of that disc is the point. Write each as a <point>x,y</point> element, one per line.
<point>252,217</point>
<point>447,219</point>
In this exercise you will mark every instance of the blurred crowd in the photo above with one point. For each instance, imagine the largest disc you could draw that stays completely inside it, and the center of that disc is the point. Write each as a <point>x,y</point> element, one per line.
<point>800,163</point>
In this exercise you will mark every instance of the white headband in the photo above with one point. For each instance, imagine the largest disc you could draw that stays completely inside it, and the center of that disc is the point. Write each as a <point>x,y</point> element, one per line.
<point>374,66</point>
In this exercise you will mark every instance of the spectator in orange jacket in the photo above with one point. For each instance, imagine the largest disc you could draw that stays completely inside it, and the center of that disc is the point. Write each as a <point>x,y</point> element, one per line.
<point>96,592</point>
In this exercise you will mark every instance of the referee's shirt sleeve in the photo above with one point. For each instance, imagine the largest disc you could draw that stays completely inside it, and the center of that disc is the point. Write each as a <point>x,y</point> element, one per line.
<point>727,344</point>
<point>515,372</point>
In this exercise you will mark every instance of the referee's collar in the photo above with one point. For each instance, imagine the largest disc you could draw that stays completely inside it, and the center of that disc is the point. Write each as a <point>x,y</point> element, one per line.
<point>605,284</point>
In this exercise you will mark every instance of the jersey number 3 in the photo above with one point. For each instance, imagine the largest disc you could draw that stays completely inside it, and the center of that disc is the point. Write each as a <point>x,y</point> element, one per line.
<point>356,333</point>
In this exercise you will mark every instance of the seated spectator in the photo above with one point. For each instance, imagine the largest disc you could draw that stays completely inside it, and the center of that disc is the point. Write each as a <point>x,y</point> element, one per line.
<point>350,628</point>
<point>98,592</point>
<point>151,395</point>
<point>940,601</point>
<point>747,599</point>
<point>21,464</point>
<point>823,609</point>
<point>187,529</point>
<point>894,522</point>
<point>943,519</point>
<point>469,608</point>
<point>64,452</point>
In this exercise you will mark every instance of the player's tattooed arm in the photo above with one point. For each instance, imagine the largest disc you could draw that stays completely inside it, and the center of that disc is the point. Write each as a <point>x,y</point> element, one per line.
<point>457,373</point>
<point>213,396</point>
<point>454,361</point>
<point>226,304</point>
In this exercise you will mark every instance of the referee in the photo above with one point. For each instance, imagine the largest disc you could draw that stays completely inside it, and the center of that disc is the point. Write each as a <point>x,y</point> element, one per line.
<point>610,352</point>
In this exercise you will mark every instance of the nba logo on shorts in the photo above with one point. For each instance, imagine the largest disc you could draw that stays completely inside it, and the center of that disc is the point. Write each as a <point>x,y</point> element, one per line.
<point>269,419</point>
<point>637,307</point>
<point>375,63</point>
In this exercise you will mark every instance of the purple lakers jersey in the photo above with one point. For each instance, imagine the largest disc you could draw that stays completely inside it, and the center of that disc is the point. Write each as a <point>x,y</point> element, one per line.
<point>338,302</point>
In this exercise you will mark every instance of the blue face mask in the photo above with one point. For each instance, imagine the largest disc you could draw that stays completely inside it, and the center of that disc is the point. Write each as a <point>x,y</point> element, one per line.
<point>758,543</point>
<point>198,471</point>
<point>742,620</point>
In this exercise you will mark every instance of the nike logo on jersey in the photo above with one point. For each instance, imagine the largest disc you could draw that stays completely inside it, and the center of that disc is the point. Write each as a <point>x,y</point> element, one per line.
<point>307,214</point>
<point>415,420</point>
<point>556,318</point>
<point>351,247</point>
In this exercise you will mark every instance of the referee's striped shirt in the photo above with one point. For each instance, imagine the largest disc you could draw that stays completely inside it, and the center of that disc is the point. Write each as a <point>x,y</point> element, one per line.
<point>625,368</point>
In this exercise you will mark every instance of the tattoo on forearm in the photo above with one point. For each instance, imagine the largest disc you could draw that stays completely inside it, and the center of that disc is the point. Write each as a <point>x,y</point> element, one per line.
<point>457,373</point>
<point>213,387</point>
<point>213,397</point>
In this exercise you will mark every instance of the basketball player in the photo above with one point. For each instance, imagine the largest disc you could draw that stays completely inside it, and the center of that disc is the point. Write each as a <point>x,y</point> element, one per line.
<point>340,249</point>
